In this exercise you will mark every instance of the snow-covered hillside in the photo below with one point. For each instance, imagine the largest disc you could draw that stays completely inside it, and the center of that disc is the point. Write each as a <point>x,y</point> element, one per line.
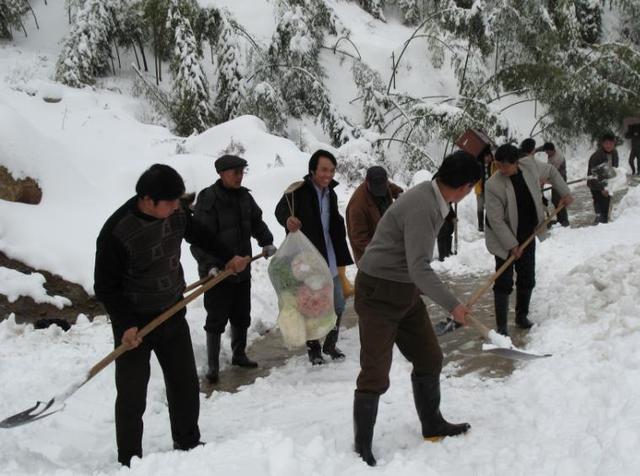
<point>573,414</point>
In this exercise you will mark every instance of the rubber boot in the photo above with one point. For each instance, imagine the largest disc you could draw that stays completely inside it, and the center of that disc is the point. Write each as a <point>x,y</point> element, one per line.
<point>365,410</point>
<point>501,304</point>
<point>213,357</point>
<point>480,221</point>
<point>523,298</point>
<point>315,352</point>
<point>238,347</point>
<point>329,346</point>
<point>426,395</point>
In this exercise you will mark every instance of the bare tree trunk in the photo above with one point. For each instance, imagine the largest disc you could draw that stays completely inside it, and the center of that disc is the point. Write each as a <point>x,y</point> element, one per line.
<point>135,52</point>
<point>23,29</point>
<point>34,14</point>
<point>115,45</point>
<point>144,57</point>
<point>155,64</point>
<point>113,65</point>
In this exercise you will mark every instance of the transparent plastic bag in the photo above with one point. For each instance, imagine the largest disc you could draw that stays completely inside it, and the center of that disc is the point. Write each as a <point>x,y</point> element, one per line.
<point>303,283</point>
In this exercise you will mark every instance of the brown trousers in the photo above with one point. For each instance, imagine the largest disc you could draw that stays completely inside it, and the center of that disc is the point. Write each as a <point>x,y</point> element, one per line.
<point>390,313</point>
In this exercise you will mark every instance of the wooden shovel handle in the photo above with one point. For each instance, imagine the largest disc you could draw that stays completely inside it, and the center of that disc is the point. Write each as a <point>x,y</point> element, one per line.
<point>207,283</point>
<point>481,328</point>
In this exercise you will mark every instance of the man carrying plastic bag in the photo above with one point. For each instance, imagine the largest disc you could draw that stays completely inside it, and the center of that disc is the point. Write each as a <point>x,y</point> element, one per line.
<point>311,206</point>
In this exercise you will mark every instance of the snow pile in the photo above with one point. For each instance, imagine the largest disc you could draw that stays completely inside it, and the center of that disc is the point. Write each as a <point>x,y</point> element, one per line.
<point>14,284</point>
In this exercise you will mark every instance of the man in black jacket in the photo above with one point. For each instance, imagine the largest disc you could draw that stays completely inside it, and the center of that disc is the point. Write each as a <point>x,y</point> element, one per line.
<point>138,276</point>
<point>605,156</point>
<point>229,211</point>
<point>313,209</point>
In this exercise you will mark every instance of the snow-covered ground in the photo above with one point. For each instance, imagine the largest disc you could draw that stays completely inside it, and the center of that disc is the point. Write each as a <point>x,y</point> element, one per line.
<point>577,412</point>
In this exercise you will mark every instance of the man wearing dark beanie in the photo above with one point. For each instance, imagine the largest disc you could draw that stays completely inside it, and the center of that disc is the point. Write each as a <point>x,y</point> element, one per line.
<point>514,211</point>
<point>366,206</point>
<point>229,211</point>
<point>137,277</point>
<point>393,274</point>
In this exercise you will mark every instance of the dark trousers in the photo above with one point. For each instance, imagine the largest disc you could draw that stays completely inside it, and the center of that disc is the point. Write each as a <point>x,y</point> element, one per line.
<point>171,343</point>
<point>601,206</point>
<point>228,301</point>
<point>392,313</point>
<point>563,215</point>
<point>633,156</point>
<point>525,268</point>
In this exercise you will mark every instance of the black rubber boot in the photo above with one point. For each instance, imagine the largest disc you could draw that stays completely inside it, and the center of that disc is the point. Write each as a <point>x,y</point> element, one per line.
<point>213,357</point>
<point>315,352</point>
<point>180,447</point>
<point>426,395</point>
<point>523,298</point>
<point>480,221</point>
<point>238,347</point>
<point>501,304</point>
<point>365,410</point>
<point>329,346</point>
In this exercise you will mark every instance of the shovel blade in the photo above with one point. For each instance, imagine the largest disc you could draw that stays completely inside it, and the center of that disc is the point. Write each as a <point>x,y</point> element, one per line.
<point>515,354</point>
<point>38,411</point>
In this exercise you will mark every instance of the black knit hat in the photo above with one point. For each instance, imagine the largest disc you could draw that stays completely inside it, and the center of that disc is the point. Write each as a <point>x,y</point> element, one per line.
<point>227,162</point>
<point>160,182</point>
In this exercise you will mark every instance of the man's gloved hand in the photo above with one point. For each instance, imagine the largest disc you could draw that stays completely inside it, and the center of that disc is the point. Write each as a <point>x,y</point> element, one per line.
<point>214,271</point>
<point>269,250</point>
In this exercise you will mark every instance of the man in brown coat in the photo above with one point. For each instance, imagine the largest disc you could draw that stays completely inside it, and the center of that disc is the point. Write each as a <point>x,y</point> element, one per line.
<point>366,206</point>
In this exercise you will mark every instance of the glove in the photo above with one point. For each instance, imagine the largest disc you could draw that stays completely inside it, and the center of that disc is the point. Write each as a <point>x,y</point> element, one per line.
<point>269,251</point>
<point>214,272</point>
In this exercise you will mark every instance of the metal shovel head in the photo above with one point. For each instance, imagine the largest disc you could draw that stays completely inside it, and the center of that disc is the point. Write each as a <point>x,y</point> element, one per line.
<point>604,171</point>
<point>513,353</point>
<point>38,411</point>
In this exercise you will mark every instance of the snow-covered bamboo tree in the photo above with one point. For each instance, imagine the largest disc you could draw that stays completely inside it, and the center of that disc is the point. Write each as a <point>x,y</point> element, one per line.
<point>190,101</point>
<point>87,50</point>
<point>230,87</point>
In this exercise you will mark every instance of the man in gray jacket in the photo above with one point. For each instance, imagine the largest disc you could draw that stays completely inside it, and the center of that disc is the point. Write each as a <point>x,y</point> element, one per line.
<point>555,158</point>
<point>393,274</point>
<point>514,211</point>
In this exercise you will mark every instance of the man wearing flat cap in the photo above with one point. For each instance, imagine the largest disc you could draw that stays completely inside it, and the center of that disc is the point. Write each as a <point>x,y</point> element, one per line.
<point>367,205</point>
<point>230,212</point>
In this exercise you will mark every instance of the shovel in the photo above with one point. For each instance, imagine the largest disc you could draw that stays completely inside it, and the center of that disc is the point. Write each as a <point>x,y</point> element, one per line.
<point>44,409</point>
<point>494,348</point>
